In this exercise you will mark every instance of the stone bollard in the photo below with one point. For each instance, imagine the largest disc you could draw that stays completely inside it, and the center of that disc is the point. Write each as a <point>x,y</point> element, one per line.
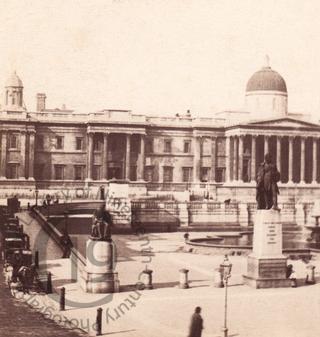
<point>218,278</point>
<point>49,283</point>
<point>36,259</point>
<point>148,275</point>
<point>184,283</point>
<point>99,322</point>
<point>310,279</point>
<point>63,299</point>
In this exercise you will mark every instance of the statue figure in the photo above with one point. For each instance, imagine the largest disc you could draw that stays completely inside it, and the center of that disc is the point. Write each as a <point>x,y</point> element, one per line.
<point>267,189</point>
<point>101,224</point>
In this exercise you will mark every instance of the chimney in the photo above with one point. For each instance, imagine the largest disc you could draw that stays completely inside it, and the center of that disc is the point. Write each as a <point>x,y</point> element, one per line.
<point>41,102</point>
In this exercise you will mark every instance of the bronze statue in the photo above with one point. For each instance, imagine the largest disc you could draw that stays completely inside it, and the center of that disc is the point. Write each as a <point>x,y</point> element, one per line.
<point>267,188</point>
<point>101,224</point>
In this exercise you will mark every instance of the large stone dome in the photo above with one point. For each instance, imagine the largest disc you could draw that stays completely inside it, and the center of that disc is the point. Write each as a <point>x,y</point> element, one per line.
<point>14,81</point>
<point>266,79</point>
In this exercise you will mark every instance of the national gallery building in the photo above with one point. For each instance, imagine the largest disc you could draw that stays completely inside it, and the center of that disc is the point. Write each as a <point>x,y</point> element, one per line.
<point>50,149</point>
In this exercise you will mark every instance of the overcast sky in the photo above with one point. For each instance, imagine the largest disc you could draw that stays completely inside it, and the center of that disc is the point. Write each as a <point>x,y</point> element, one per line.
<point>159,57</point>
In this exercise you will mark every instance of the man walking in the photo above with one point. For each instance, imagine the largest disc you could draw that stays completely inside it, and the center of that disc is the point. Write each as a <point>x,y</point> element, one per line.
<point>196,324</point>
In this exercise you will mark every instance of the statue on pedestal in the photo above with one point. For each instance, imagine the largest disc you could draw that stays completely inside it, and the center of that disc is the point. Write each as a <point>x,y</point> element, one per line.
<point>267,189</point>
<point>101,224</point>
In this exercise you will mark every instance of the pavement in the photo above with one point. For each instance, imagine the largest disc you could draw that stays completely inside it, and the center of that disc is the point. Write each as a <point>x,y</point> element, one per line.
<point>166,310</point>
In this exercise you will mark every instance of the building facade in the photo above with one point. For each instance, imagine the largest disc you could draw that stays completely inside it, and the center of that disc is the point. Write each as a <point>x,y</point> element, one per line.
<point>50,149</point>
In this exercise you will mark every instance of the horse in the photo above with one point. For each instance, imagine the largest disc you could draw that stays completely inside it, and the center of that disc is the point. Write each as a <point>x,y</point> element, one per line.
<point>26,276</point>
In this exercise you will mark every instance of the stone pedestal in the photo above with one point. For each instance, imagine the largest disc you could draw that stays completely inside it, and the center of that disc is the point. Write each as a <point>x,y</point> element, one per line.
<point>99,275</point>
<point>266,264</point>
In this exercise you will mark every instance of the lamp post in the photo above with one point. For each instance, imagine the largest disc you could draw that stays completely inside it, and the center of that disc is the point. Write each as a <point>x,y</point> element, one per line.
<point>66,222</point>
<point>36,193</point>
<point>226,267</point>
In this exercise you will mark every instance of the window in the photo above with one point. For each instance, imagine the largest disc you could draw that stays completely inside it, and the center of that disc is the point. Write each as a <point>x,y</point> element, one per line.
<point>96,172</point>
<point>149,145</point>
<point>58,172</point>
<point>167,174</point>
<point>220,174</point>
<point>13,171</point>
<point>186,174</point>
<point>78,172</point>
<point>133,173</point>
<point>167,145</point>
<point>204,174</point>
<point>97,144</point>
<point>79,143</point>
<point>59,142</point>
<point>187,146</point>
<point>13,141</point>
<point>148,174</point>
<point>39,171</point>
<point>40,142</point>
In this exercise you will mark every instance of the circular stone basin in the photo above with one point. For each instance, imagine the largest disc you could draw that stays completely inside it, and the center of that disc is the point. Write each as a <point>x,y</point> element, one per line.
<point>242,241</point>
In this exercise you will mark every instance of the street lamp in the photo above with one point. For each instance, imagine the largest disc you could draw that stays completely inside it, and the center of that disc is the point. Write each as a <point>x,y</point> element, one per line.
<point>66,222</point>
<point>36,193</point>
<point>226,267</point>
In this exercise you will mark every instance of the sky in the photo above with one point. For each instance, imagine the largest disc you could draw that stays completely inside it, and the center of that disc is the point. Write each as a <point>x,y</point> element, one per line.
<point>159,57</point>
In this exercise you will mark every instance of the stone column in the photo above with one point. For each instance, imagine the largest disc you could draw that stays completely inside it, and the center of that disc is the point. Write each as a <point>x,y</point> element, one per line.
<point>314,160</point>
<point>196,159</point>
<point>105,157</point>
<point>266,144</point>
<point>290,160</point>
<point>240,171</point>
<point>303,159</point>
<point>3,162</point>
<point>140,173</point>
<point>213,158</point>
<point>23,139</point>
<point>279,153</point>
<point>31,156</point>
<point>235,155</point>
<point>90,155</point>
<point>227,159</point>
<point>128,145</point>
<point>253,157</point>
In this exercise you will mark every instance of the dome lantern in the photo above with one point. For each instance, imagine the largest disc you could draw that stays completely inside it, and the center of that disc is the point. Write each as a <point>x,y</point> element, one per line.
<point>14,93</point>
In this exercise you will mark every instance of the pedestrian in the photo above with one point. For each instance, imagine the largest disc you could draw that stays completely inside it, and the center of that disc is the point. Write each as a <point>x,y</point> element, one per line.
<point>196,324</point>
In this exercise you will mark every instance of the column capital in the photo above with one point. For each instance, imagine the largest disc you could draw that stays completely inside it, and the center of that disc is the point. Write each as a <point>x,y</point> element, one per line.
<point>254,136</point>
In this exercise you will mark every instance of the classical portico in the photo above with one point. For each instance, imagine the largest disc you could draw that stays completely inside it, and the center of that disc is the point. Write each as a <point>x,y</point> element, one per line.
<point>294,146</point>
<point>115,154</point>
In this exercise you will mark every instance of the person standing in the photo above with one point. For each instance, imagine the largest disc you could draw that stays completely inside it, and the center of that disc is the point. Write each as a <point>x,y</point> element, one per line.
<point>196,324</point>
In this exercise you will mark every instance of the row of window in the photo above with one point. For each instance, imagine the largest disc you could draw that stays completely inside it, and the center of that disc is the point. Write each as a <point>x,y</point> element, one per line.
<point>58,143</point>
<point>187,174</point>
<point>167,146</point>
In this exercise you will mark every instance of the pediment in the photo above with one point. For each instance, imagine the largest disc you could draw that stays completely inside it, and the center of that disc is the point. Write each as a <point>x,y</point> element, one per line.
<point>285,123</point>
